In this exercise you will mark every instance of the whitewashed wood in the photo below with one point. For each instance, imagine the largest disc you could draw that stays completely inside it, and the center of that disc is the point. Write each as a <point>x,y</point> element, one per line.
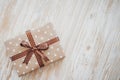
<point>89,31</point>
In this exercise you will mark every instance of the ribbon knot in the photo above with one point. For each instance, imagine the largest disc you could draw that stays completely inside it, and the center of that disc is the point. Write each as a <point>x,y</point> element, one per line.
<point>32,48</point>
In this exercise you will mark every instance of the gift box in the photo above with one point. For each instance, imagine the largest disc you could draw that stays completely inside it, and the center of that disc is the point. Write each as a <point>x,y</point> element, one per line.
<point>35,49</point>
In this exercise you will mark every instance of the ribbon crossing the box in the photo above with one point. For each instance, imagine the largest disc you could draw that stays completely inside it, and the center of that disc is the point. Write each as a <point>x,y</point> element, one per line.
<point>37,50</point>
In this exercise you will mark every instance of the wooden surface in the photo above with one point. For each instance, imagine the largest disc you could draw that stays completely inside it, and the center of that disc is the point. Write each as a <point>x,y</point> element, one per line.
<point>89,31</point>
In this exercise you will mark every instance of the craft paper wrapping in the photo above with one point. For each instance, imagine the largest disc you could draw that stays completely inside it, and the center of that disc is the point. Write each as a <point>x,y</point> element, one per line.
<point>40,35</point>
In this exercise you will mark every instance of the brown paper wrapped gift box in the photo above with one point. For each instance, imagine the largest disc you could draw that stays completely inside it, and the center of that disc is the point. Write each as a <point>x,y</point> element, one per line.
<point>40,35</point>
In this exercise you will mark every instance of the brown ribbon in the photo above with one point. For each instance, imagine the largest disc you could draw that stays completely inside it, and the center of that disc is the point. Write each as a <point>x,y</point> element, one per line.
<point>37,50</point>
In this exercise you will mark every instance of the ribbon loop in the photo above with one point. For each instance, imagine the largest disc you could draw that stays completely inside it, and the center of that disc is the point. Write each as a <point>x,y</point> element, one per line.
<point>25,44</point>
<point>43,46</point>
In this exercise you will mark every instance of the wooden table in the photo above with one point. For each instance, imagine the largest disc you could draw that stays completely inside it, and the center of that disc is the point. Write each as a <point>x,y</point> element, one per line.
<point>89,31</point>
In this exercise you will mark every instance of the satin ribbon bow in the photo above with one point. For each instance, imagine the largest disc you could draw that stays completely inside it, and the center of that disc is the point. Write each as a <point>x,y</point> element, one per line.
<point>37,50</point>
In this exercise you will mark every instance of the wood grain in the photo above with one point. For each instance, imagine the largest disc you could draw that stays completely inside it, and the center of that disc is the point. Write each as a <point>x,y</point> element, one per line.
<point>89,31</point>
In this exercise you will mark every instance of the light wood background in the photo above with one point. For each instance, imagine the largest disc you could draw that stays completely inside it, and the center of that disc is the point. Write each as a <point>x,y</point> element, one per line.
<point>89,31</point>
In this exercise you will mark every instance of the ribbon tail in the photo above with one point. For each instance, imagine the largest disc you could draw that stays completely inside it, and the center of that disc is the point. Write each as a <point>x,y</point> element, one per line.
<point>27,58</point>
<point>43,56</point>
<point>19,55</point>
<point>39,59</point>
